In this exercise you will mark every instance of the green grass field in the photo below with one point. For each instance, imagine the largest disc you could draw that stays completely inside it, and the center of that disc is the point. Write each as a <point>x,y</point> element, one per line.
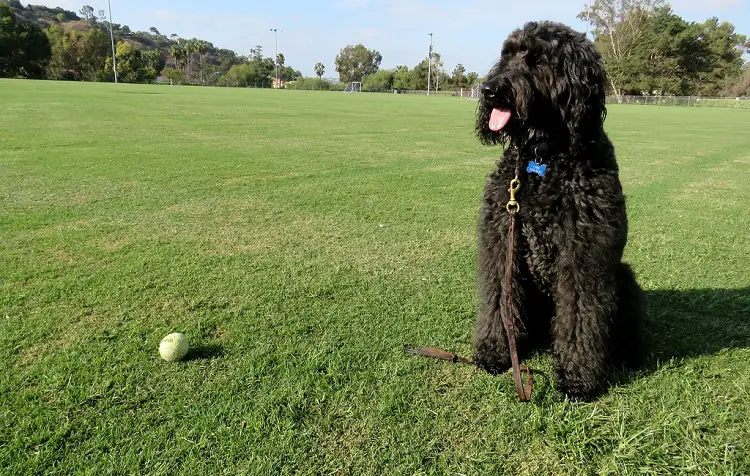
<point>300,239</point>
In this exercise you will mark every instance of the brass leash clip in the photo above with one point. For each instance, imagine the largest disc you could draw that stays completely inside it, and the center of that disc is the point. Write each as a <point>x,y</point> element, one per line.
<point>512,206</point>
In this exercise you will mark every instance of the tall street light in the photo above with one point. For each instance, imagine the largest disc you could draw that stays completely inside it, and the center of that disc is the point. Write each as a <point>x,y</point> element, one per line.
<point>276,60</point>
<point>112,38</point>
<point>429,67</point>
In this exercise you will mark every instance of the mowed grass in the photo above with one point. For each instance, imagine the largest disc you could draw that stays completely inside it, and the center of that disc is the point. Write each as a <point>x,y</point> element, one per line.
<point>299,239</point>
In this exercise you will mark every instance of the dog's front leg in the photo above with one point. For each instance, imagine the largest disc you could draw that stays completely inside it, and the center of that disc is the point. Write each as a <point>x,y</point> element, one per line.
<point>585,302</point>
<point>491,341</point>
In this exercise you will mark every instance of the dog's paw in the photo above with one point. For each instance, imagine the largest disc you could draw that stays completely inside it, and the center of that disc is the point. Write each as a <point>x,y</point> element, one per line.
<point>491,362</point>
<point>578,390</point>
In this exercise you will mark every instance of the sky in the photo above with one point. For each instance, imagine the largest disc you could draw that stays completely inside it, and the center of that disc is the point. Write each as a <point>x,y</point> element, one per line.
<point>470,32</point>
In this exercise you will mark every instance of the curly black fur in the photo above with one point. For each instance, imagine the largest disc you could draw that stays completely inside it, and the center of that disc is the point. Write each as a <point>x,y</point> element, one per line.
<point>571,288</point>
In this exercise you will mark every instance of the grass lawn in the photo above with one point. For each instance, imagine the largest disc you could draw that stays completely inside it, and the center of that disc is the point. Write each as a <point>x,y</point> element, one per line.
<point>299,239</point>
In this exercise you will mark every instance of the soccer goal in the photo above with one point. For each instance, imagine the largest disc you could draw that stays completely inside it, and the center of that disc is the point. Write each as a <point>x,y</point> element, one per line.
<point>353,87</point>
<point>475,91</point>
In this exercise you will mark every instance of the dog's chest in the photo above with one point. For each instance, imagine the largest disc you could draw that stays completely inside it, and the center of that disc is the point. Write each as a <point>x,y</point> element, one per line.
<point>540,228</point>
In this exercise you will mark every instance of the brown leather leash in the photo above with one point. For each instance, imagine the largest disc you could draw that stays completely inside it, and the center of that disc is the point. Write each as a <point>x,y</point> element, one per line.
<point>512,207</point>
<point>524,391</point>
<point>436,353</point>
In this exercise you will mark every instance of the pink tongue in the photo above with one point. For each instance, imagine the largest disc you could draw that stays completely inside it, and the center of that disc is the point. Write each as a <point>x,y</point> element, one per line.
<point>498,119</point>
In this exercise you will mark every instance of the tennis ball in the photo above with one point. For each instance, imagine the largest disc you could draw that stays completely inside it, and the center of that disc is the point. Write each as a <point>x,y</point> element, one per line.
<point>173,347</point>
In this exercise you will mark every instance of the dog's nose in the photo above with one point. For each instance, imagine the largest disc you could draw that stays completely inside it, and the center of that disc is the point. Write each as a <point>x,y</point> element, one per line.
<point>488,91</point>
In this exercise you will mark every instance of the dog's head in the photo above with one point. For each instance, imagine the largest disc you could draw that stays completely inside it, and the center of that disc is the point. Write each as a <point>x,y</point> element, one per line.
<point>550,82</point>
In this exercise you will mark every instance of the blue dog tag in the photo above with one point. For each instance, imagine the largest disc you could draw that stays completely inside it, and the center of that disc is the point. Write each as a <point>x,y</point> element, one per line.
<point>536,168</point>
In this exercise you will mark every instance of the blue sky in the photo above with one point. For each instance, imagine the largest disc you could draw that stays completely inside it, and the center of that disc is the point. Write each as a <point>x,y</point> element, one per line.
<point>315,30</point>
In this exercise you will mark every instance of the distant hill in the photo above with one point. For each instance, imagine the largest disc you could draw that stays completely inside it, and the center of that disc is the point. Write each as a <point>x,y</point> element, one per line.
<point>41,15</point>
<point>215,59</point>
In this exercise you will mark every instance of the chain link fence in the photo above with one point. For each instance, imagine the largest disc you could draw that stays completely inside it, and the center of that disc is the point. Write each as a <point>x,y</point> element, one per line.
<point>685,101</point>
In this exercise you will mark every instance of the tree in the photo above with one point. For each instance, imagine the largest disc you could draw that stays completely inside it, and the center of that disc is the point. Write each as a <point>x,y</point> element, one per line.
<point>154,31</point>
<point>92,51</point>
<point>87,13</point>
<point>174,75</point>
<point>354,63</point>
<point>178,53</point>
<point>130,66</point>
<point>422,71</point>
<point>229,59</point>
<point>742,85</point>
<point>673,56</point>
<point>256,52</point>
<point>724,56</point>
<point>618,26</point>
<point>280,60</point>
<point>63,59</point>
<point>320,70</point>
<point>201,47</point>
<point>102,16</point>
<point>154,59</point>
<point>260,71</point>
<point>402,78</point>
<point>382,80</point>
<point>458,79</point>
<point>288,73</point>
<point>24,48</point>
<point>238,75</point>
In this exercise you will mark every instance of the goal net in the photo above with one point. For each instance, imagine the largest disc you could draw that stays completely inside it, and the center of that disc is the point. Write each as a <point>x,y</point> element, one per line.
<point>475,91</point>
<point>353,87</point>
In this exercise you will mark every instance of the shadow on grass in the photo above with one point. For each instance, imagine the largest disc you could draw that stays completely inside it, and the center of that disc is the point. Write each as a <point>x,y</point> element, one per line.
<point>690,323</point>
<point>205,352</point>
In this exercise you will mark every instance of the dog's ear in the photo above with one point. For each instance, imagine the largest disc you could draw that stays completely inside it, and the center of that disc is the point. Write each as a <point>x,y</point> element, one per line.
<point>584,109</point>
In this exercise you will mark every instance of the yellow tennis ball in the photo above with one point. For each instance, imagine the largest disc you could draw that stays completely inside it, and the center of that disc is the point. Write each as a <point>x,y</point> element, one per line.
<point>173,347</point>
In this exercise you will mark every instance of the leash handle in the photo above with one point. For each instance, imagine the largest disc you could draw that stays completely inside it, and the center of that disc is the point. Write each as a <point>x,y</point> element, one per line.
<point>436,353</point>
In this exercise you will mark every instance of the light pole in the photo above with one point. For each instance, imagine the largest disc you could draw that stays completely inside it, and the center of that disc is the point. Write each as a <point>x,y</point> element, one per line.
<point>112,38</point>
<point>276,59</point>
<point>429,67</point>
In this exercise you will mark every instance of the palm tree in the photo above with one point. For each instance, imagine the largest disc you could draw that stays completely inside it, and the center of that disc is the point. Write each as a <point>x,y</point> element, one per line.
<point>280,60</point>
<point>190,47</point>
<point>201,47</point>
<point>178,54</point>
<point>320,70</point>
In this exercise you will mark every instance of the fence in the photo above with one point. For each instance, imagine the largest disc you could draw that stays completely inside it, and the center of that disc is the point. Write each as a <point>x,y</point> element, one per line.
<point>685,101</point>
<point>473,93</point>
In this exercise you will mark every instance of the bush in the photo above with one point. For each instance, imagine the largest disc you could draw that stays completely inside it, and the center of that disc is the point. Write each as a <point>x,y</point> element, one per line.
<point>742,86</point>
<point>310,84</point>
<point>380,81</point>
<point>174,75</point>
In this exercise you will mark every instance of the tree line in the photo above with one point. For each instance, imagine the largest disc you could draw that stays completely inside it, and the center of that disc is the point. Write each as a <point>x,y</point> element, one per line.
<point>650,50</point>
<point>357,63</point>
<point>647,50</point>
<point>53,43</point>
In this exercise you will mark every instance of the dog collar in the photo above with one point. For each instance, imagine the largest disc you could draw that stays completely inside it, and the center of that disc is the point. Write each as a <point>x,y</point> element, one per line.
<point>542,152</point>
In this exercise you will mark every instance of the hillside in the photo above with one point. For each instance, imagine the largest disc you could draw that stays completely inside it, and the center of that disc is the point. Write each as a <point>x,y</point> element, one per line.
<point>81,47</point>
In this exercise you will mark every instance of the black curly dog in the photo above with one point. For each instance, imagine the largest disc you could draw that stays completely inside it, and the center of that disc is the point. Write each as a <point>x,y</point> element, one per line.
<point>545,101</point>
